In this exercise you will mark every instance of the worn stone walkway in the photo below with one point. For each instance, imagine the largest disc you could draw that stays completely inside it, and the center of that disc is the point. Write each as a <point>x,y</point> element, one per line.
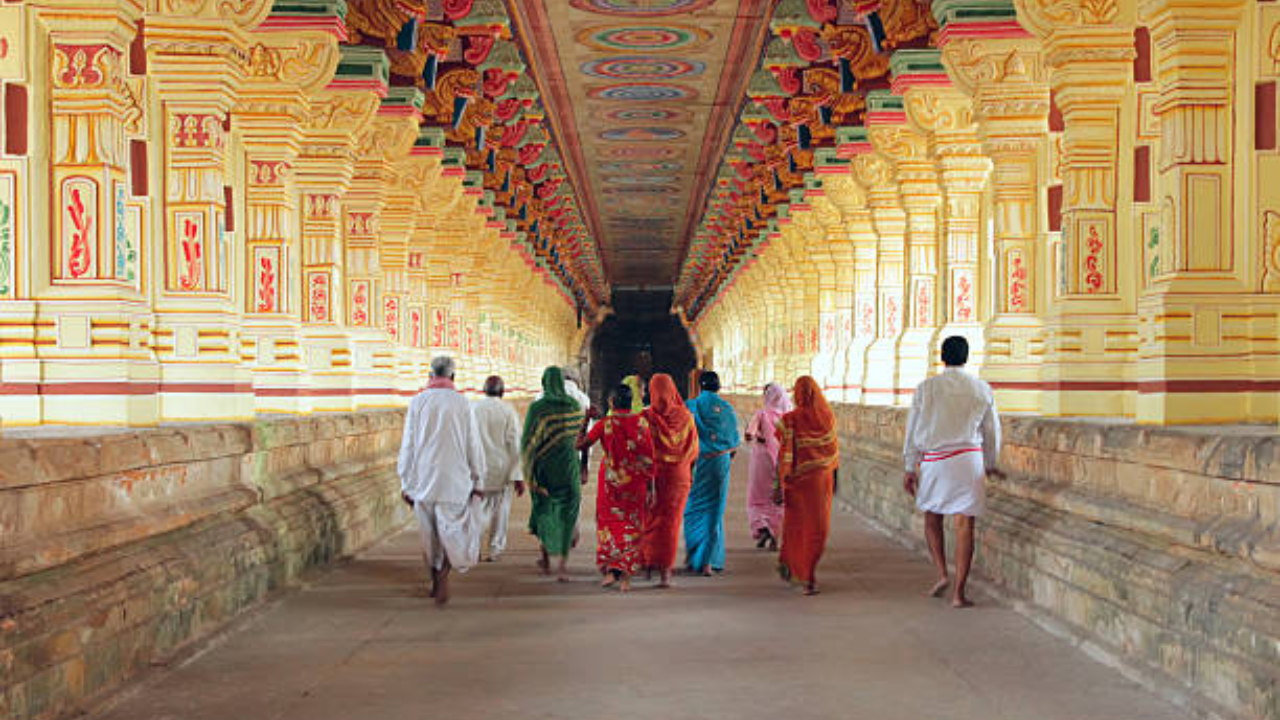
<point>363,641</point>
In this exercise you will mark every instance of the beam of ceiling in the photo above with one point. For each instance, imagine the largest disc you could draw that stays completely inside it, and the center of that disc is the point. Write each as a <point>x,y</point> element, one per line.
<point>643,95</point>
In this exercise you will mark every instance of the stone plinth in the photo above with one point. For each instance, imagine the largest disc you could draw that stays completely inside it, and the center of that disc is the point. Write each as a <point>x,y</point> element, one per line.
<point>1159,546</point>
<point>117,550</point>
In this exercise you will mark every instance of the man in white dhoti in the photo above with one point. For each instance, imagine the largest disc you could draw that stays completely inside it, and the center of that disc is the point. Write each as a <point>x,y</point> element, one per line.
<point>499,427</point>
<point>952,444</point>
<point>442,470</point>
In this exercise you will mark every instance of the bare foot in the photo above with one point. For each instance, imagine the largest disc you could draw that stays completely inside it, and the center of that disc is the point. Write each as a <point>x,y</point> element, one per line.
<point>811,589</point>
<point>544,563</point>
<point>562,577</point>
<point>961,602</point>
<point>442,591</point>
<point>608,580</point>
<point>938,588</point>
<point>665,582</point>
<point>706,572</point>
<point>625,585</point>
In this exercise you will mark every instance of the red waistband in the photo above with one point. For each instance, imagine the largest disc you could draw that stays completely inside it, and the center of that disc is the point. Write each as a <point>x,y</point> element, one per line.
<point>947,454</point>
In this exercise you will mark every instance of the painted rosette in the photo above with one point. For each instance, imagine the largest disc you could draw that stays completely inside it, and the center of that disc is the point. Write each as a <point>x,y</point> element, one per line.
<point>640,8</point>
<point>642,92</point>
<point>632,38</point>
<point>641,134</point>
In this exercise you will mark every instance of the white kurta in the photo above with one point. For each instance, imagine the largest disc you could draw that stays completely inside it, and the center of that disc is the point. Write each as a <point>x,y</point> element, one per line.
<point>440,464</point>
<point>952,438</point>
<point>499,427</point>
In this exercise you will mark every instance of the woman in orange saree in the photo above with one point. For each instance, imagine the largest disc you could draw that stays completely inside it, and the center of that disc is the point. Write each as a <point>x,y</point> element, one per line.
<point>807,460</point>
<point>675,445</point>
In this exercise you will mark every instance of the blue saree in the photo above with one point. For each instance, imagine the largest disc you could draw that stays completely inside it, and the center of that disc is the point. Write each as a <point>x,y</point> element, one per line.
<point>704,513</point>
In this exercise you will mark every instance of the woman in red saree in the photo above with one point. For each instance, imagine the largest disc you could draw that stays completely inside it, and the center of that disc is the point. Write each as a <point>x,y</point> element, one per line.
<point>675,446</point>
<point>626,481</point>
<point>807,460</point>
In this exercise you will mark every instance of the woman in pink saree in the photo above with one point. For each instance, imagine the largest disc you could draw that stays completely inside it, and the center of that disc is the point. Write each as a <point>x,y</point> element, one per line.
<point>765,516</point>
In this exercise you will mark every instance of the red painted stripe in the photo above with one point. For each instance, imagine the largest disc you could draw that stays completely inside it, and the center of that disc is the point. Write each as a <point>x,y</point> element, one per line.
<point>939,456</point>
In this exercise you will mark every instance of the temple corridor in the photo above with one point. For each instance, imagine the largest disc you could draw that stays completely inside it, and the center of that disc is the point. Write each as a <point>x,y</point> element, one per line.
<point>364,641</point>
<point>235,236</point>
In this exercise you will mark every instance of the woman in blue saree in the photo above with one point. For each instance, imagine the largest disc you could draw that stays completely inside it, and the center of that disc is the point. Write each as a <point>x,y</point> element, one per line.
<point>704,514</point>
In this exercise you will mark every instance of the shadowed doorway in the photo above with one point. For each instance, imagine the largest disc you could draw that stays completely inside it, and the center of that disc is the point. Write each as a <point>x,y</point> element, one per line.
<point>642,337</point>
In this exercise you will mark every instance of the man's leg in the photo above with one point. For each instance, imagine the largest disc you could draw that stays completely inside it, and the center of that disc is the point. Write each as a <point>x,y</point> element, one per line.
<point>430,543</point>
<point>442,588</point>
<point>964,558</point>
<point>937,550</point>
<point>502,510</point>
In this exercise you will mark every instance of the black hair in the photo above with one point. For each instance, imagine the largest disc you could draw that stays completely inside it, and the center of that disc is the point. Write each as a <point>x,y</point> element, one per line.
<point>709,381</point>
<point>621,399</point>
<point>955,351</point>
<point>494,387</point>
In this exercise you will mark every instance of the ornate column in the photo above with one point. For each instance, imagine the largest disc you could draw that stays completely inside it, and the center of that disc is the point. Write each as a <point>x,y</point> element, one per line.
<point>856,255</point>
<point>1090,331</point>
<point>881,315</point>
<point>386,141</point>
<point>1191,369</point>
<point>290,60</point>
<point>198,58</point>
<point>323,171</point>
<point>75,322</point>
<point>945,116</point>
<point>917,176</point>
<point>836,320</point>
<point>1000,66</point>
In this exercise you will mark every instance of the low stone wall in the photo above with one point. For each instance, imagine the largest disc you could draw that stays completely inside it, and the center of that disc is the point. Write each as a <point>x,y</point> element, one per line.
<point>118,549</point>
<point>1158,546</point>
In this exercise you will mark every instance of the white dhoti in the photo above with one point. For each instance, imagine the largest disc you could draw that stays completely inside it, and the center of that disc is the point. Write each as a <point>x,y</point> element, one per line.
<point>495,508</point>
<point>951,482</point>
<point>450,530</point>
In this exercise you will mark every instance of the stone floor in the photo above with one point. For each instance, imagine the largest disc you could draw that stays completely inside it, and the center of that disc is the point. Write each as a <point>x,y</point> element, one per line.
<point>363,641</point>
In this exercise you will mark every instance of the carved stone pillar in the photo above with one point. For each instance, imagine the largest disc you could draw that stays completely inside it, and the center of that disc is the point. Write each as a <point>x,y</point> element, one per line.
<point>945,116</point>
<point>323,172</point>
<point>284,70</point>
<point>197,57</point>
<point>999,65</point>
<point>836,303</point>
<point>882,314</point>
<point>1091,331</point>
<point>917,177</point>
<point>75,330</point>
<point>1188,358</point>
<point>387,140</point>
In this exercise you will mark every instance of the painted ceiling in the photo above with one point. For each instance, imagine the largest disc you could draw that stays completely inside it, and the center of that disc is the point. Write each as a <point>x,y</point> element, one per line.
<point>643,95</point>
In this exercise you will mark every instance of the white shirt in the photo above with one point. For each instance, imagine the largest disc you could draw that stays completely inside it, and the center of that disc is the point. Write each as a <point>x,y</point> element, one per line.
<point>499,427</point>
<point>950,411</point>
<point>440,455</point>
<point>572,390</point>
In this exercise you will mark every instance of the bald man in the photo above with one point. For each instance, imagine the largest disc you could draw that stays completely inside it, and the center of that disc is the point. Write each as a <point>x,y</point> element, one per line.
<point>499,427</point>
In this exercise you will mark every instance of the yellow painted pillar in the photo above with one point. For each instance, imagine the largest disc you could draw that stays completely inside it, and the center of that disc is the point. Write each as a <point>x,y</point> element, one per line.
<point>1091,336</point>
<point>945,116</point>
<point>322,173</point>
<point>917,176</point>
<point>1198,362</point>
<point>75,325</point>
<point>196,66</point>
<point>283,72</point>
<point>1002,69</point>
<point>880,312</point>
<point>385,142</point>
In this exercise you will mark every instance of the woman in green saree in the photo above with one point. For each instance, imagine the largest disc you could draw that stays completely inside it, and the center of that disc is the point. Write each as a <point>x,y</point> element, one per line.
<point>551,468</point>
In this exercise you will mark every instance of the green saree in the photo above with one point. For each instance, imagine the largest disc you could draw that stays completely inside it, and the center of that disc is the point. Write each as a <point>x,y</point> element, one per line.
<point>551,464</point>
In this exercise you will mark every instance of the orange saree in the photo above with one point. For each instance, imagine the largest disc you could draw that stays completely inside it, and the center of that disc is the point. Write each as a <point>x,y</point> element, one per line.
<point>675,444</point>
<point>807,460</point>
